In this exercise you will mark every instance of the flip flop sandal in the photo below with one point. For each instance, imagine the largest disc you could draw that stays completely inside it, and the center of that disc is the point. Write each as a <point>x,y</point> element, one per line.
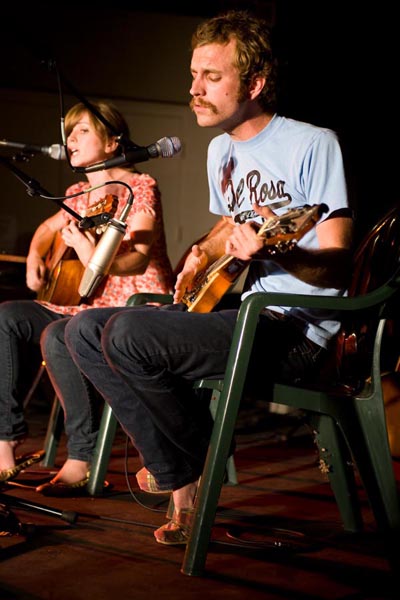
<point>59,489</point>
<point>177,530</point>
<point>21,463</point>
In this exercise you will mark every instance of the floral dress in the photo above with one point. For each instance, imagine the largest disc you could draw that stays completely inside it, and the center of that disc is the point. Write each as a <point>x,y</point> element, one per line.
<point>115,290</point>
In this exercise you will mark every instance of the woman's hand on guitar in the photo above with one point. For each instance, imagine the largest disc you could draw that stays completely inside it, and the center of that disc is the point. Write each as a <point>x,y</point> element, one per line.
<point>83,242</point>
<point>35,272</point>
<point>196,262</point>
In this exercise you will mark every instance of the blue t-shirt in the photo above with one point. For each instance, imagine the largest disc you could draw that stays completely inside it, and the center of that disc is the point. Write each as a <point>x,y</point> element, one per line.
<point>287,165</point>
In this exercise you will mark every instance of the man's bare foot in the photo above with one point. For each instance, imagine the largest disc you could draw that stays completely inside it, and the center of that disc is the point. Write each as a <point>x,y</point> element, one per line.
<point>178,528</point>
<point>184,497</point>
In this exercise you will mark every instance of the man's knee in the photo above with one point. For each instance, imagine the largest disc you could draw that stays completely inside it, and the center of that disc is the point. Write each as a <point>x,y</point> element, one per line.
<point>87,326</point>
<point>127,332</point>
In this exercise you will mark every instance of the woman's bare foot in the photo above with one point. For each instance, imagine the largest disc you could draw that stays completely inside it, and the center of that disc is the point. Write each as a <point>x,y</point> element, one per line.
<point>7,453</point>
<point>72,471</point>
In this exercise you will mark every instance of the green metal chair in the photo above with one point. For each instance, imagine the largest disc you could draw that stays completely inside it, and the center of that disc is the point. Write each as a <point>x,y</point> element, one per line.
<point>348,417</point>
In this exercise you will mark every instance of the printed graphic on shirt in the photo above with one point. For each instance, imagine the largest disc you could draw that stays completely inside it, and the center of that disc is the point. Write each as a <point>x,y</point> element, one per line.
<point>251,190</point>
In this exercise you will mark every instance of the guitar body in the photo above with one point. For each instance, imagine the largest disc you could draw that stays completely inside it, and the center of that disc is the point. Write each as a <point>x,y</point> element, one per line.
<point>280,234</point>
<point>212,285</point>
<point>62,288</point>
<point>64,270</point>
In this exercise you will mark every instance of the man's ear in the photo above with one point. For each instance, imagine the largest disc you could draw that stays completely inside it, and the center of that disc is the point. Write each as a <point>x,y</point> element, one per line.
<point>256,86</point>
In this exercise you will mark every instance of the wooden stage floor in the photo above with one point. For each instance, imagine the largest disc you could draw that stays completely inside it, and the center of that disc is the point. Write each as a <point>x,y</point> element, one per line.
<point>278,534</point>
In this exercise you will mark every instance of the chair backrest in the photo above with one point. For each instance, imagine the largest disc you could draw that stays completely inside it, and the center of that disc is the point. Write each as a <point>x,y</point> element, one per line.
<point>378,255</point>
<point>375,262</point>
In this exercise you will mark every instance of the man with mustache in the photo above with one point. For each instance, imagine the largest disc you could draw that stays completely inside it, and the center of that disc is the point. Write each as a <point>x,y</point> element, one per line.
<point>143,359</point>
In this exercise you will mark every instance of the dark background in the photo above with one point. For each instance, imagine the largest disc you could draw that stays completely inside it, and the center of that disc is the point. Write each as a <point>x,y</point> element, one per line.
<point>338,68</point>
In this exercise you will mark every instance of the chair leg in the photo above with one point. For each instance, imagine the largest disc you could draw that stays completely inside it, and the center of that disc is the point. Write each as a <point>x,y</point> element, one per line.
<point>211,483</point>
<point>101,457</point>
<point>102,451</point>
<point>35,384</point>
<point>53,434</point>
<point>336,462</point>
<point>215,387</point>
<point>374,461</point>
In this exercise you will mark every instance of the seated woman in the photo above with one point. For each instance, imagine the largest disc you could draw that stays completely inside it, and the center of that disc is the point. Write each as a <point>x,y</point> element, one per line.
<point>141,265</point>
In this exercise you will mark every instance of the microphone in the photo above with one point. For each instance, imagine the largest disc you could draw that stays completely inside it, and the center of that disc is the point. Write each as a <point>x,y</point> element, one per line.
<point>102,257</point>
<point>166,147</point>
<point>56,151</point>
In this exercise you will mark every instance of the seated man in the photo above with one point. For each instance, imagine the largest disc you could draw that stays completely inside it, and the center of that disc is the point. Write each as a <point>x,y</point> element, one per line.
<point>143,359</point>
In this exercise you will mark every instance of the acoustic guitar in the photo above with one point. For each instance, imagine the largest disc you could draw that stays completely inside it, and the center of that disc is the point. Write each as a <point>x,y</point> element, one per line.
<point>280,234</point>
<point>64,270</point>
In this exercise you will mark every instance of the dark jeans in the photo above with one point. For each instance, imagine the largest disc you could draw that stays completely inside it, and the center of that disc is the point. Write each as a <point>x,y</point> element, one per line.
<point>78,397</point>
<point>21,325</point>
<point>28,332</point>
<point>143,360</point>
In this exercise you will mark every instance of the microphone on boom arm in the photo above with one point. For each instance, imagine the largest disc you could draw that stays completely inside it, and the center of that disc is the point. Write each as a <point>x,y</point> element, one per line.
<point>56,151</point>
<point>109,243</point>
<point>166,147</point>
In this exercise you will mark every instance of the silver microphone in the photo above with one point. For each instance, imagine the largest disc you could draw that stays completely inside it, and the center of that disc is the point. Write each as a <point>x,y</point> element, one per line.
<point>102,257</point>
<point>166,147</point>
<point>56,151</point>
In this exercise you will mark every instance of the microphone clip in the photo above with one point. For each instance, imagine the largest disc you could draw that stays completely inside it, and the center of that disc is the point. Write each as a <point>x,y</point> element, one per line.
<point>95,221</point>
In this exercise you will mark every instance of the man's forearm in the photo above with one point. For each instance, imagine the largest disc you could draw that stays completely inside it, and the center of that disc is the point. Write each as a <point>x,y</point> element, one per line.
<point>327,268</point>
<point>214,243</point>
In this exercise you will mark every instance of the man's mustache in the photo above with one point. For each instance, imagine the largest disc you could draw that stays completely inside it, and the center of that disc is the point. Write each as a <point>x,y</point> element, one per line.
<point>197,102</point>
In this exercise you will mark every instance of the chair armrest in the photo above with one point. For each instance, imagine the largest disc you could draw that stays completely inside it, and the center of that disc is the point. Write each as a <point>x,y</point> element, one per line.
<point>374,301</point>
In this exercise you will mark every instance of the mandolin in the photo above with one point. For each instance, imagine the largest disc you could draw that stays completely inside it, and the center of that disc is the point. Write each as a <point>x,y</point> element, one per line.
<point>280,234</point>
<point>63,268</point>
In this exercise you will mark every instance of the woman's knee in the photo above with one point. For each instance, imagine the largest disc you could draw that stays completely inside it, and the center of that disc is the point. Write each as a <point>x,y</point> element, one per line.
<point>11,311</point>
<point>52,339</point>
<point>87,327</point>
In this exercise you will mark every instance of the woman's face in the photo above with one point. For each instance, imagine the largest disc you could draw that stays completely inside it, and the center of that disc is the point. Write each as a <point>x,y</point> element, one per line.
<point>85,146</point>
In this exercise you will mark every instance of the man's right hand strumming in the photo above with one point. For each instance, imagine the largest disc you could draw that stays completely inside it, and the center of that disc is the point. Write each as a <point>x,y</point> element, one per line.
<point>196,262</point>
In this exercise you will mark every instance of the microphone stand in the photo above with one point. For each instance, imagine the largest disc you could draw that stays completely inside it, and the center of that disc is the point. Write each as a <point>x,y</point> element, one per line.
<point>66,515</point>
<point>33,189</point>
<point>125,143</point>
